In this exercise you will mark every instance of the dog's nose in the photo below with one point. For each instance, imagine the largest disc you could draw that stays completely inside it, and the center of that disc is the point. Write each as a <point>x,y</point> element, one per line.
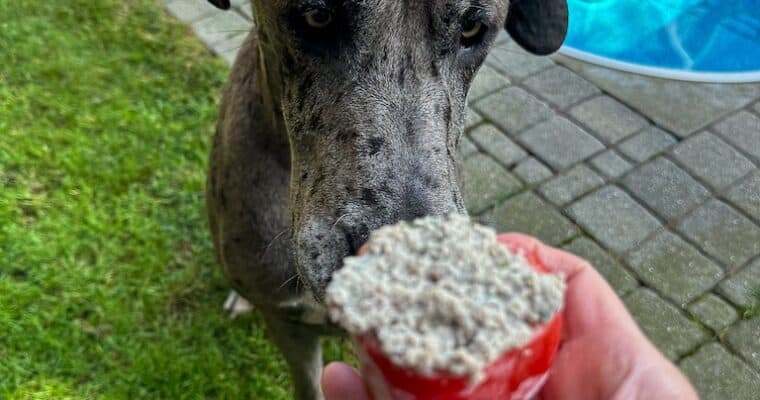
<point>413,206</point>
<point>357,239</point>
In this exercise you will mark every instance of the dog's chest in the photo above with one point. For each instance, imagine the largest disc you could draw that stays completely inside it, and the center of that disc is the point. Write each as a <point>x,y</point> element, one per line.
<point>305,309</point>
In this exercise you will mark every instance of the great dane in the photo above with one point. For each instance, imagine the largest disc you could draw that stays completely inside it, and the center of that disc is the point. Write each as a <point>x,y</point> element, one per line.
<point>341,116</point>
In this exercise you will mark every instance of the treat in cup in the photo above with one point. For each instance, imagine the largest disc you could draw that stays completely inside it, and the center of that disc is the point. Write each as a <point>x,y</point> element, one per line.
<point>438,309</point>
<point>518,375</point>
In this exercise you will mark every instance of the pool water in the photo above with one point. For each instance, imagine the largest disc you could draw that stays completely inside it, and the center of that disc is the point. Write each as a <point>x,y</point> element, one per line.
<point>691,39</point>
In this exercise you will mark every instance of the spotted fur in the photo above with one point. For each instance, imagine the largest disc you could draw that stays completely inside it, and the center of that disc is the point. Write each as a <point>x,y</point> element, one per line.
<point>325,135</point>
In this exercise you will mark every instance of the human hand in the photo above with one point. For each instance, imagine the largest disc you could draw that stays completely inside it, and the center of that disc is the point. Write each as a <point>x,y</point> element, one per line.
<point>603,355</point>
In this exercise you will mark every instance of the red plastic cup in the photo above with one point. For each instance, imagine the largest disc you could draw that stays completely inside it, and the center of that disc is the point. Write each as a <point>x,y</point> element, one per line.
<point>517,375</point>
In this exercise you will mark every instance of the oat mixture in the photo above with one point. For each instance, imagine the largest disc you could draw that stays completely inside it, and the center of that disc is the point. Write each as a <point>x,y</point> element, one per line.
<point>441,294</point>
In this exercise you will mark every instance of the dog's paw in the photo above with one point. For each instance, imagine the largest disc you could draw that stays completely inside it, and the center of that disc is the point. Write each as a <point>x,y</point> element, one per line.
<point>236,305</point>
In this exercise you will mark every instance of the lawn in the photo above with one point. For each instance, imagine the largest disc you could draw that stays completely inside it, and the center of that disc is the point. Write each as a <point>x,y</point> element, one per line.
<point>108,285</point>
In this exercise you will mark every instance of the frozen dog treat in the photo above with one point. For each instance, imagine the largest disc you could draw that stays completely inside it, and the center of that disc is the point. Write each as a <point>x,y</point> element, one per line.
<point>439,306</point>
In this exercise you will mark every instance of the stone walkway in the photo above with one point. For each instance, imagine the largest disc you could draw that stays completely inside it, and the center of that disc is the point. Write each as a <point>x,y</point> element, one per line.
<point>655,181</point>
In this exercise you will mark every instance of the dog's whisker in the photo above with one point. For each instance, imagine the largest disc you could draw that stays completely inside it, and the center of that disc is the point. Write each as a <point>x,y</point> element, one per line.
<point>233,31</point>
<point>337,221</point>
<point>255,228</point>
<point>511,51</point>
<point>279,235</point>
<point>289,280</point>
<point>231,49</point>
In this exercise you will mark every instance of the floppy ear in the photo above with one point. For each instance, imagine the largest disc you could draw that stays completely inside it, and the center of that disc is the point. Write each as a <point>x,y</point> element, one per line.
<point>538,26</point>
<point>223,4</point>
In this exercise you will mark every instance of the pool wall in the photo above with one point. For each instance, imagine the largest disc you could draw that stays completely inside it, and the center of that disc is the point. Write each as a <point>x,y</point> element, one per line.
<point>666,73</point>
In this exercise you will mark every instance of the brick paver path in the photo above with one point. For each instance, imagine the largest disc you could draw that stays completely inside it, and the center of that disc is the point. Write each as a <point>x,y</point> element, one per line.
<point>655,181</point>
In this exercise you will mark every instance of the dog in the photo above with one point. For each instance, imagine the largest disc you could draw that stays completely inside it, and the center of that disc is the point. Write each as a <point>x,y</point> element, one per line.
<point>339,117</point>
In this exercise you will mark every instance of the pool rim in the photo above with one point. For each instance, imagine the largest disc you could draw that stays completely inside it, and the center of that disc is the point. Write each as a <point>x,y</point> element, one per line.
<point>664,73</point>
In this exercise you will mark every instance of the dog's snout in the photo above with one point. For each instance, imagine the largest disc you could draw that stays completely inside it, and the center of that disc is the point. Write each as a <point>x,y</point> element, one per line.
<point>413,206</point>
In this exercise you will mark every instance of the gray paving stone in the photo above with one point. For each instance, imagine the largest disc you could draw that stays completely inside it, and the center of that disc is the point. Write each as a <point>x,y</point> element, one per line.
<point>467,148</point>
<point>560,143</point>
<point>757,108</point>
<point>743,131</point>
<point>680,107</point>
<point>739,288</point>
<point>190,11</point>
<point>610,164</point>
<point>528,214</point>
<point>647,143</point>
<point>571,185</point>
<point>246,9</point>
<point>486,183</point>
<point>746,195</point>
<point>663,323</point>
<point>666,188</point>
<point>744,338</point>
<point>495,143</point>
<point>532,171</point>
<point>487,81</point>
<point>674,268</point>
<point>220,26</point>
<point>613,271</point>
<point>229,48</point>
<point>471,118</point>
<point>712,160</point>
<point>560,86</point>
<point>502,38</point>
<point>719,375</point>
<point>513,109</point>
<point>723,233</point>
<point>515,62</point>
<point>614,218</point>
<point>714,312</point>
<point>608,118</point>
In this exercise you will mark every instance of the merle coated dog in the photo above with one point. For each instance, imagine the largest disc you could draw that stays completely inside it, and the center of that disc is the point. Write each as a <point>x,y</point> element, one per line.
<point>342,116</point>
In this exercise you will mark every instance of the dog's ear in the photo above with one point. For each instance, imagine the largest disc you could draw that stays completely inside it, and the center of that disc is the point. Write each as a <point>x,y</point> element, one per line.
<point>223,4</point>
<point>538,26</point>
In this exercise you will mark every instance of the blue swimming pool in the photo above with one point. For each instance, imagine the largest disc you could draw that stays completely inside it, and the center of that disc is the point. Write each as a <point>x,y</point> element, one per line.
<point>703,40</point>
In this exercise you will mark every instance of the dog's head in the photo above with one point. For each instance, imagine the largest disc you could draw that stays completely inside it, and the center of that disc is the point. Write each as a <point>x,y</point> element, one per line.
<point>373,97</point>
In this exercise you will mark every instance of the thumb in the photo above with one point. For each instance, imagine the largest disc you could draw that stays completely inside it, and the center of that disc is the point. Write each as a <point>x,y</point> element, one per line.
<point>341,382</point>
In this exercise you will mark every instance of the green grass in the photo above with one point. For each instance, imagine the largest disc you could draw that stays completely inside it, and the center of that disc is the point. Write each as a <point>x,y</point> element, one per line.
<point>108,286</point>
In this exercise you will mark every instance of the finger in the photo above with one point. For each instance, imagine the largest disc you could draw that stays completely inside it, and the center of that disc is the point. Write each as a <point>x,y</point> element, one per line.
<point>590,302</point>
<point>341,382</point>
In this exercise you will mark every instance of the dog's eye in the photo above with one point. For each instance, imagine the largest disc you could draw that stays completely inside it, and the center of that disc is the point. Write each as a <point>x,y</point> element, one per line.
<point>318,18</point>
<point>473,31</point>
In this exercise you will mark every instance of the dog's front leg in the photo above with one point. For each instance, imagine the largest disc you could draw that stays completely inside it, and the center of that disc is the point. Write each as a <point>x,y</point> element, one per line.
<point>300,345</point>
